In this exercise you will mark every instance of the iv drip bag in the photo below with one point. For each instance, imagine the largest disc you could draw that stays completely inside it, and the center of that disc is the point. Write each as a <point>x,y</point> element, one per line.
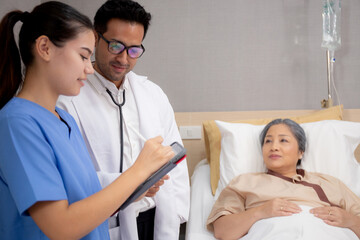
<point>331,38</point>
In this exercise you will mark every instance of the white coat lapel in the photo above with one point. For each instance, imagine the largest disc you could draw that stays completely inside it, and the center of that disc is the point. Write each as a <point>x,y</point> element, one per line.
<point>96,120</point>
<point>149,120</point>
<point>149,107</point>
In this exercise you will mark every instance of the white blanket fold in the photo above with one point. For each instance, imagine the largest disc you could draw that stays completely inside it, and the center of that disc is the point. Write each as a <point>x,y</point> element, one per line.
<point>301,226</point>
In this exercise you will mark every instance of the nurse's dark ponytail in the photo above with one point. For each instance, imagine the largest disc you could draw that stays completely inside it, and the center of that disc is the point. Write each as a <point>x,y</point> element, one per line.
<point>56,20</point>
<point>10,63</point>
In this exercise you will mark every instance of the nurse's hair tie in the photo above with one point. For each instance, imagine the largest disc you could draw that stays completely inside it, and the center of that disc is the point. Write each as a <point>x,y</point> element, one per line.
<point>24,16</point>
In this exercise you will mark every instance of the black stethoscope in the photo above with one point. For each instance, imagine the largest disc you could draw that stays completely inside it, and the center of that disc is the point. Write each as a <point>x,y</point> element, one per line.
<point>121,126</point>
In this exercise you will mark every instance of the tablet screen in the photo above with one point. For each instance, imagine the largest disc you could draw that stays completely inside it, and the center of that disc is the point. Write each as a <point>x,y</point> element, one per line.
<point>180,152</point>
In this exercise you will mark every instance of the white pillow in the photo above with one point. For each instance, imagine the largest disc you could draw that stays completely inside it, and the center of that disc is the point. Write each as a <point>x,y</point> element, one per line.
<point>330,150</point>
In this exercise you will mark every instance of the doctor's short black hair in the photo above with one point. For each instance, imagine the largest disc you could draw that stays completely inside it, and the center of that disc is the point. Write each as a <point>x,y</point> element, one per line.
<point>127,10</point>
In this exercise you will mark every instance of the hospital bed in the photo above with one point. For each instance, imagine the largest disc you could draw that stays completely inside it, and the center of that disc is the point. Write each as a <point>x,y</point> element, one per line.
<point>333,148</point>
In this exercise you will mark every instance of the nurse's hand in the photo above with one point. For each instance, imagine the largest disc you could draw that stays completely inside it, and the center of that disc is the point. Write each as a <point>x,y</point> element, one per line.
<point>153,156</point>
<point>151,192</point>
<point>156,187</point>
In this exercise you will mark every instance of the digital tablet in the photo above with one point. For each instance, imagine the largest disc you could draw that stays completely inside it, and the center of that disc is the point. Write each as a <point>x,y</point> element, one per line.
<point>180,152</point>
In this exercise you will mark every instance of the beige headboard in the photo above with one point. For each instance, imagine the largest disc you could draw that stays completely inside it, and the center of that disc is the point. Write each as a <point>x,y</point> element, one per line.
<point>195,148</point>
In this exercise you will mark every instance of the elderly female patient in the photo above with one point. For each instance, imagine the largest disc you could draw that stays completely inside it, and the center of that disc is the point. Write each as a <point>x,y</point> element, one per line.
<point>284,192</point>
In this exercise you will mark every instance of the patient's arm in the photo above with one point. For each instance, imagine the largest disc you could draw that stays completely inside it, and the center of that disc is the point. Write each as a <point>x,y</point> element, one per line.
<point>234,226</point>
<point>355,227</point>
<point>338,217</point>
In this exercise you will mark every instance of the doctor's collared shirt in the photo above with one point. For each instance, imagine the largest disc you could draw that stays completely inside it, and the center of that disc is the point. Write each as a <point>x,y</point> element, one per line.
<point>132,143</point>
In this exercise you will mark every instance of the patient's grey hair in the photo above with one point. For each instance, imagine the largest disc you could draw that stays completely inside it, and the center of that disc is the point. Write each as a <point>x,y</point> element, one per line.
<point>295,129</point>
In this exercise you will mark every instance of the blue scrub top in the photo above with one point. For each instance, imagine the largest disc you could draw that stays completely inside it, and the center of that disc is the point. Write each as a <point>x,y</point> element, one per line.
<point>42,158</point>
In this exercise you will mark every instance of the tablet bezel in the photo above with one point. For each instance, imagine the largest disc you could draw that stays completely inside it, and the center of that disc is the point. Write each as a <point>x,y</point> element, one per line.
<point>180,154</point>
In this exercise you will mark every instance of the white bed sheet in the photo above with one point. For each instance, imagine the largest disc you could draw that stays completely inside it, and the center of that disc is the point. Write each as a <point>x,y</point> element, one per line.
<point>201,202</point>
<point>330,150</point>
<point>288,227</point>
<point>281,228</point>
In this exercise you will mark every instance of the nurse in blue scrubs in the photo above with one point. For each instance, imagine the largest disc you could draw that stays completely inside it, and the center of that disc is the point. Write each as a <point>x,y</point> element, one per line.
<point>48,186</point>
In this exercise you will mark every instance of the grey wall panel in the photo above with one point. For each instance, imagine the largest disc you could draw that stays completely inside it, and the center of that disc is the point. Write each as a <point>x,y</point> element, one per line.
<point>9,5</point>
<point>248,55</point>
<point>233,55</point>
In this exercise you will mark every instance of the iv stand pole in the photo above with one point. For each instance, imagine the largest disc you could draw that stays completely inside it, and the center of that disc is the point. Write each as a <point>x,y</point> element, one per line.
<point>328,103</point>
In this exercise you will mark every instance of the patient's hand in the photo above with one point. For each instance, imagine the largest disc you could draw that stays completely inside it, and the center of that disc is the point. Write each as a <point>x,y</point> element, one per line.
<point>335,216</point>
<point>279,207</point>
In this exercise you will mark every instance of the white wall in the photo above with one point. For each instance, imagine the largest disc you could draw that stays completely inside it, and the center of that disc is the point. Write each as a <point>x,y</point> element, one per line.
<point>9,5</point>
<point>213,55</point>
<point>233,55</point>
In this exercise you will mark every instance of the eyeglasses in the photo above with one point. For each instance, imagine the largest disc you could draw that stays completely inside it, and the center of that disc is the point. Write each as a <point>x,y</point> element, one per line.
<point>117,47</point>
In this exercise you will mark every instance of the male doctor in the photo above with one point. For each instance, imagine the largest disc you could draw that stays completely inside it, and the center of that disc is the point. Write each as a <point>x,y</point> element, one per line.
<point>113,107</point>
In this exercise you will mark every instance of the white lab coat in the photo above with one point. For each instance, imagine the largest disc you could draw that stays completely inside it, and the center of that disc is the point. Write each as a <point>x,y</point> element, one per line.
<point>156,117</point>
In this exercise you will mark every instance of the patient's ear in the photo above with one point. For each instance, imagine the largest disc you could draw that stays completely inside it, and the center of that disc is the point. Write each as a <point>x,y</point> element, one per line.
<point>43,47</point>
<point>301,154</point>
